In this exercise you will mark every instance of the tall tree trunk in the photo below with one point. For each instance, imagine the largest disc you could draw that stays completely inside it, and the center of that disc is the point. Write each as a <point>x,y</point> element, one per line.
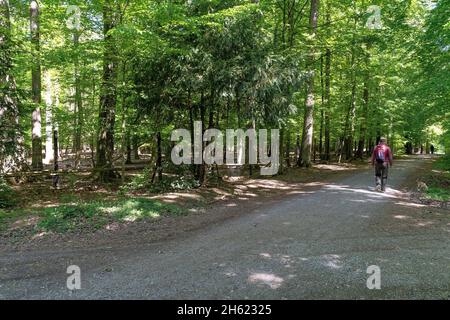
<point>363,127</point>
<point>36,135</point>
<point>158,164</point>
<point>78,101</point>
<point>297,148</point>
<point>135,146</point>
<point>11,139</point>
<point>348,147</point>
<point>159,158</point>
<point>349,130</point>
<point>288,147</point>
<point>129,148</point>
<point>322,111</point>
<point>202,167</point>
<point>55,159</point>
<point>308,125</point>
<point>107,116</point>
<point>327,103</point>
<point>93,136</point>
<point>48,119</point>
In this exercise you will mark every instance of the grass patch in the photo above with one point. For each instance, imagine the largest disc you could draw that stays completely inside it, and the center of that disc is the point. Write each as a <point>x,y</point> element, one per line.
<point>438,194</point>
<point>142,182</point>
<point>10,215</point>
<point>3,219</point>
<point>443,164</point>
<point>7,195</point>
<point>97,214</point>
<point>439,181</point>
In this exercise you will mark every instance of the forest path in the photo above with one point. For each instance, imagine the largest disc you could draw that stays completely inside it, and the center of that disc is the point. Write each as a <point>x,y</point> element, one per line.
<point>316,244</point>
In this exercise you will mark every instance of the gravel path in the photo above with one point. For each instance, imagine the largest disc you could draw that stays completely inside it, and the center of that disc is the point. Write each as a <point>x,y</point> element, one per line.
<point>315,244</point>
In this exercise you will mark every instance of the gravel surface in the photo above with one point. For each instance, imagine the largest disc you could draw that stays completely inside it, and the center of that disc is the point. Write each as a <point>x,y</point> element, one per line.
<point>315,244</point>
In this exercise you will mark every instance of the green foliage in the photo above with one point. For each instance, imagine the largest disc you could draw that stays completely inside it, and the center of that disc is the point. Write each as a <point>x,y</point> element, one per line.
<point>443,164</point>
<point>97,214</point>
<point>139,182</point>
<point>439,194</point>
<point>184,183</point>
<point>439,180</point>
<point>142,182</point>
<point>7,195</point>
<point>236,63</point>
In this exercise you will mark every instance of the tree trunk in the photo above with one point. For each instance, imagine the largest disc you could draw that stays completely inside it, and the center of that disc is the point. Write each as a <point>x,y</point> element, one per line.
<point>135,146</point>
<point>363,127</point>
<point>202,167</point>
<point>348,143</point>
<point>322,111</point>
<point>78,102</point>
<point>350,121</point>
<point>55,159</point>
<point>129,148</point>
<point>107,116</point>
<point>158,164</point>
<point>36,135</point>
<point>11,139</point>
<point>308,125</point>
<point>327,95</point>
<point>48,120</point>
<point>288,147</point>
<point>327,103</point>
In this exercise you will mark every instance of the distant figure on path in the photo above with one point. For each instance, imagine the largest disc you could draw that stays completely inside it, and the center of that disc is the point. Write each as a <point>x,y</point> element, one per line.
<point>381,160</point>
<point>432,149</point>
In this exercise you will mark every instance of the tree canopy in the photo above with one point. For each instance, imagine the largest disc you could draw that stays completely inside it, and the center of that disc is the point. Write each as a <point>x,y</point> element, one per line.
<point>113,76</point>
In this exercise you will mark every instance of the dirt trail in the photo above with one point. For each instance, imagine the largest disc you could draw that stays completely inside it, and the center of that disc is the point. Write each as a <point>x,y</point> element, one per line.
<point>314,243</point>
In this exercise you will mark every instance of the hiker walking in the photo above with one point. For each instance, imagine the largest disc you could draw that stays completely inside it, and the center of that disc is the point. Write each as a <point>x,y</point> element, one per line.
<point>381,160</point>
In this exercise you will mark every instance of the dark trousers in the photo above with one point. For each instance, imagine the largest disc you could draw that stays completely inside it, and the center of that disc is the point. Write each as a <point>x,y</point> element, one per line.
<point>381,174</point>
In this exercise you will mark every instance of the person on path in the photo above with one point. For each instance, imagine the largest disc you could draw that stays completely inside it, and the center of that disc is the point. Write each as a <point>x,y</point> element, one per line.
<point>381,160</point>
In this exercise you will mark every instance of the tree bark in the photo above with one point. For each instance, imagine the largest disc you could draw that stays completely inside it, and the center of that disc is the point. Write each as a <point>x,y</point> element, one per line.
<point>288,147</point>
<point>79,119</point>
<point>327,156</point>
<point>363,127</point>
<point>135,146</point>
<point>55,159</point>
<point>349,130</point>
<point>308,125</point>
<point>129,149</point>
<point>36,135</point>
<point>48,119</point>
<point>158,165</point>
<point>11,139</point>
<point>322,111</point>
<point>107,116</point>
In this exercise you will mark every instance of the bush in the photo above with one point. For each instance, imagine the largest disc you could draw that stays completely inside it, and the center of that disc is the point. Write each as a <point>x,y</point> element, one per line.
<point>7,195</point>
<point>142,182</point>
<point>139,182</point>
<point>184,183</point>
<point>439,183</point>
<point>439,194</point>
<point>443,163</point>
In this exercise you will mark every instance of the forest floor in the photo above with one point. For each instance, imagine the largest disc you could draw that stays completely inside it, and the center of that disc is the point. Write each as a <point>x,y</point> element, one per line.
<point>307,234</point>
<point>174,212</point>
